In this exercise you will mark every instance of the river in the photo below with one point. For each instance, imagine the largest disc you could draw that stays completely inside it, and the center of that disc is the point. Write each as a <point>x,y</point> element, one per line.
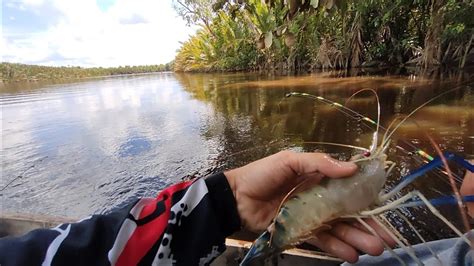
<point>82,147</point>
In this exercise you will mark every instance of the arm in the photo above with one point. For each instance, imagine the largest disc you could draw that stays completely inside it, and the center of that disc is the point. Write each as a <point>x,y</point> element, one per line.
<point>186,225</point>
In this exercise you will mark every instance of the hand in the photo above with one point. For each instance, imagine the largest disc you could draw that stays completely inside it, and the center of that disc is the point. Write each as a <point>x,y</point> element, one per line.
<point>467,188</point>
<point>259,188</point>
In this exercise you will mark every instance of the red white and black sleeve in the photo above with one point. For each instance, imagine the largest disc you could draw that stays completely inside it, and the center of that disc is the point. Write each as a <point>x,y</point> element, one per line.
<point>185,225</point>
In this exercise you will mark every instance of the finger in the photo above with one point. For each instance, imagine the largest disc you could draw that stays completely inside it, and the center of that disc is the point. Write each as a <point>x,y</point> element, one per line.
<point>381,232</point>
<point>312,163</point>
<point>334,246</point>
<point>358,239</point>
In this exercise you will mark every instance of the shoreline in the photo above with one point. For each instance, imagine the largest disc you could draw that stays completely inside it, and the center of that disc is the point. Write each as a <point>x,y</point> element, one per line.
<point>434,72</point>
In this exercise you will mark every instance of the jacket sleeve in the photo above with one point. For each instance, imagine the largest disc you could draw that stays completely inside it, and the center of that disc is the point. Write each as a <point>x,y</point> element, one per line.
<point>185,225</point>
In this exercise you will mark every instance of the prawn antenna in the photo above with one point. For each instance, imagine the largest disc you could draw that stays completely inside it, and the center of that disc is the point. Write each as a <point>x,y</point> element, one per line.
<point>387,133</point>
<point>416,109</point>
<point>392,123</point>
<point>375,140</point>
<point>337,144</point>
<point>452,182</point>
<point>345,110</point>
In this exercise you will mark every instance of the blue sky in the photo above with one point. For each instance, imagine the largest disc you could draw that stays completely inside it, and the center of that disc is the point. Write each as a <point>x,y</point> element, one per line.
<point>91,32</point>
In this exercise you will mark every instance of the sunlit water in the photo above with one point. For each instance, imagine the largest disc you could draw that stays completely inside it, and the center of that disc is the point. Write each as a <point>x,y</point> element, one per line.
<point>88,147</point>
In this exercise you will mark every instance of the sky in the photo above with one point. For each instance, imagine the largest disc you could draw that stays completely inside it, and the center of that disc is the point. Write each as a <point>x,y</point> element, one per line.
<point>91,33</point>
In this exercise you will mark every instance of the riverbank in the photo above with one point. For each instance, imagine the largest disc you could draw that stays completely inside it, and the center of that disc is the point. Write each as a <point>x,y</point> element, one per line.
<point>300,36</point>
<point>14,72</point>
<point>57,75</point>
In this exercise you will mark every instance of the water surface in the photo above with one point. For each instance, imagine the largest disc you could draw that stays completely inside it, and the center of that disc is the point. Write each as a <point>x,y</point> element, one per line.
<point>85,147</point>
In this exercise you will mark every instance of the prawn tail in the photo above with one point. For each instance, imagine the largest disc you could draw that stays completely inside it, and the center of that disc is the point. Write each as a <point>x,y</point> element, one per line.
<point>259,251</point>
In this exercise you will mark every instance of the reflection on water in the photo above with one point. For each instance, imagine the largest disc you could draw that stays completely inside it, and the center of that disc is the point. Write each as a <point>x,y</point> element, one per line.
<point>134,146</point>
<point>95,143</point>
<point>90,146</point>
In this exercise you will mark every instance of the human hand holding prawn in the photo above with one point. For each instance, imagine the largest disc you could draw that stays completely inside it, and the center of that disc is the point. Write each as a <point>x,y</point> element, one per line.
<point>259,188</point>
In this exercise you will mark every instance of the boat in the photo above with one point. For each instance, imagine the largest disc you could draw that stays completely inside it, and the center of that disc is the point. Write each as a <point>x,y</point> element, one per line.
<point>237,246</point>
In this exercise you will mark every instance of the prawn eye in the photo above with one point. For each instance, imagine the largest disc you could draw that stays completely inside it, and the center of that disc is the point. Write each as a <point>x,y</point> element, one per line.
<point>367,153</point>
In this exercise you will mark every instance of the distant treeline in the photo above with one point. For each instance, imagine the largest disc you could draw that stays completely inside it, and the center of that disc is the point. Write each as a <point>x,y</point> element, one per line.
<point>21,72</point>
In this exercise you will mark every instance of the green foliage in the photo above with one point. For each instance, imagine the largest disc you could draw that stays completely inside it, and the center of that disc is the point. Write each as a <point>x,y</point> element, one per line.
<point>301,34</point>
<point>460,21</point>
<point>22,72</point>
<point>229,47</point>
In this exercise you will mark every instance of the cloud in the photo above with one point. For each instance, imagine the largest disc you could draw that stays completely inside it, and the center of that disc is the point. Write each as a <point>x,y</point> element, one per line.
<point>28,17</point>
<point>105,4</point>
<point>133,19</point>
<point>85,33</point>
<point>33,2</point>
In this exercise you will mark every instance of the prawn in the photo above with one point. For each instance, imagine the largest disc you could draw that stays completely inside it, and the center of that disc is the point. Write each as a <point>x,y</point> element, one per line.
<point>295,222</point>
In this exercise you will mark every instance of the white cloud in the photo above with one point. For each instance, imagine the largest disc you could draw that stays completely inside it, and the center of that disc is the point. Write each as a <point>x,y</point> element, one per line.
<point>33,2</point>
<point>130,32</point>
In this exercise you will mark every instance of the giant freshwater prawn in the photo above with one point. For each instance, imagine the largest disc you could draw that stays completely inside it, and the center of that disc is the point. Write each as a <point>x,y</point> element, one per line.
<point>304,210</point>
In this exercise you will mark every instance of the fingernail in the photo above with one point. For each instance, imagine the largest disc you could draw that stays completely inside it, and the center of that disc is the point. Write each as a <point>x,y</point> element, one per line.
<point>342,163</point>
<point>349,165</point>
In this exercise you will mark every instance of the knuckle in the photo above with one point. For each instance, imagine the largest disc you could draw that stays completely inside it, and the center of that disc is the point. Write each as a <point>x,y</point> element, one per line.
<point>323,158</point>
<point>287,154</point>
<point>339,230</point>
<point>321,155</point>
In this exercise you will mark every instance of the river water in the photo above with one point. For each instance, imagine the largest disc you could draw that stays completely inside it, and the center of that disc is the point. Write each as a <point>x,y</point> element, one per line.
<point>72,149</point>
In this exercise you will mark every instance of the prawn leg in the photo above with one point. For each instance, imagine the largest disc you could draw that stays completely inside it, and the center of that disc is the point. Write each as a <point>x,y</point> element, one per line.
<point>445,200</point>
<point>409,196</point>
<point>436,162</point>
<point>394,235</point>
<point>407,248</point>
<point>373,232</point>
<point>398,212</point>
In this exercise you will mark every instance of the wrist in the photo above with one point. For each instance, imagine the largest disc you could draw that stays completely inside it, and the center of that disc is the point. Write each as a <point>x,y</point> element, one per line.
<point>223,203</point>
<point>232,177</point>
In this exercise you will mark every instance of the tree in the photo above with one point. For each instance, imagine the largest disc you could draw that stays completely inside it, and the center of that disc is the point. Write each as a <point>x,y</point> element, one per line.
<point>340,34</point>
<point>195,11</point>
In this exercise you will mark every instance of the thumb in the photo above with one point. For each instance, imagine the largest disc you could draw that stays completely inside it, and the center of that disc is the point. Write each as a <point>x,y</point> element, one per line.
<point>313,163</point>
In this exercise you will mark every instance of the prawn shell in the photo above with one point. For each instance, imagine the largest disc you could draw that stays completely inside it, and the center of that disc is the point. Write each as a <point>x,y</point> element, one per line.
<point>305,212</point>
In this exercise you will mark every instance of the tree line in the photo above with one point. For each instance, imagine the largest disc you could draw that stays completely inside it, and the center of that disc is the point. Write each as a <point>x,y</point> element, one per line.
<point>325,34</point>
<point>22,72</point>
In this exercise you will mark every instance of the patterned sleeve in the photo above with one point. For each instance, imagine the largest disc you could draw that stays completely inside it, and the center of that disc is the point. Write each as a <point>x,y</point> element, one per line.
<point>185,225</point>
